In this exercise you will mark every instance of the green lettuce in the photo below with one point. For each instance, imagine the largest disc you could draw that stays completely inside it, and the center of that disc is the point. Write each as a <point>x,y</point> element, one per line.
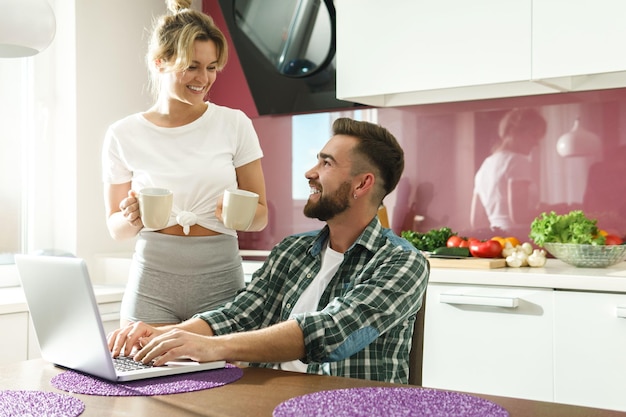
<point>573,227</point>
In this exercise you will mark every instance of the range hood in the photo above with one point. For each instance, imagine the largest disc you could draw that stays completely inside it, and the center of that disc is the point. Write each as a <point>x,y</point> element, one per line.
<point>270,39</point>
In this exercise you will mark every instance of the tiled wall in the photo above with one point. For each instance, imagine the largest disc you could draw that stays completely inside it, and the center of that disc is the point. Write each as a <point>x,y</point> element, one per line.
<point>446,143</point>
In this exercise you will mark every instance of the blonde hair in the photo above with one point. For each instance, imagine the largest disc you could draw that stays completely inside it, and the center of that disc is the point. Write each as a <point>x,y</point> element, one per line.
<point>173,37</point>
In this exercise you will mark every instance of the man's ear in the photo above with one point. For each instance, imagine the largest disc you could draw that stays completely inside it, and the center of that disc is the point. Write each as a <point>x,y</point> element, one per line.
<point>365,182</point>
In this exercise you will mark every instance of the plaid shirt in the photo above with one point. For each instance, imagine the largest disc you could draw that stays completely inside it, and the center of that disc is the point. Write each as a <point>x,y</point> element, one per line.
<point>364,325</point>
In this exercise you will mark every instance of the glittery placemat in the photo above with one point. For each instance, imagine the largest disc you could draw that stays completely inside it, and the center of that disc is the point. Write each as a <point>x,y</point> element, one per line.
<point>78,383</point>
<point>388,402</point>
<point>39,404</point>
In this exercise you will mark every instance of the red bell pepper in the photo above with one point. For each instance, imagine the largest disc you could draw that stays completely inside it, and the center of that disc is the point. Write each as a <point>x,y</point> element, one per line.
<point>486,249</point>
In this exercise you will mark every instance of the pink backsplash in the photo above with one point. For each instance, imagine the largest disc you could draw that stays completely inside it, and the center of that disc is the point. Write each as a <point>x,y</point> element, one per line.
<point>444,146</point>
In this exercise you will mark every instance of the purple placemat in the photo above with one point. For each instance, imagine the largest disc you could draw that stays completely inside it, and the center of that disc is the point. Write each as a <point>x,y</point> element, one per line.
<point>39,404</point>
<point>388,402</point>
<point>78,383</point>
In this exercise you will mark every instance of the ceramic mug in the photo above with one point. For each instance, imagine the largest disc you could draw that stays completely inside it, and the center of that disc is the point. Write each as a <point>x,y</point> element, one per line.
<point>239,207</point>
<point>155,206</point>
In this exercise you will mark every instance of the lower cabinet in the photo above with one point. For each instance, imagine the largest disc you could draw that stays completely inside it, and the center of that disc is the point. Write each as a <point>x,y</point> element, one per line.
<point>590,349</point>
<point>492,340</point>
<point>14,339</point>
<point>541,344</point>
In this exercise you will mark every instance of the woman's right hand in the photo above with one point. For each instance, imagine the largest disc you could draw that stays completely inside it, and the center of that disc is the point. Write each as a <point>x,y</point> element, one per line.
<point>130,209</point>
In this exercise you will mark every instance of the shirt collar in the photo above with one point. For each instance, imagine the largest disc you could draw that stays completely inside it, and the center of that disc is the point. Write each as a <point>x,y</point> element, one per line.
<point>369,238</point>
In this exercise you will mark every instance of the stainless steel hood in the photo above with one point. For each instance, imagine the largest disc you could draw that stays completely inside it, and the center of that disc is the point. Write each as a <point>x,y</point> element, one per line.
<point>286,49</point>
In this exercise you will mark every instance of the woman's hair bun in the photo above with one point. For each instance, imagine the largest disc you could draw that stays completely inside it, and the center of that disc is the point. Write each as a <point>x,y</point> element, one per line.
<point>177,5</point>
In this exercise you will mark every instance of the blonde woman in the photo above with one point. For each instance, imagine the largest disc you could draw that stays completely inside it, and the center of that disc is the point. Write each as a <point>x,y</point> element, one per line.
<point>195,148</point>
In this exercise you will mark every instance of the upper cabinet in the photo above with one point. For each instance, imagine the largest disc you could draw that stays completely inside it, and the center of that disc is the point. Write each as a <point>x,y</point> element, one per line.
<point>577,44</point>
<point>402,52</point>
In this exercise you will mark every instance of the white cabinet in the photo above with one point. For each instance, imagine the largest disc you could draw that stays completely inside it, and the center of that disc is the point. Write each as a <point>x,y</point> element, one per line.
<point>590,349</point>
<point>574,38</point>
<point>487,339</point>
<point>14,338</point>
<point>402,52</point>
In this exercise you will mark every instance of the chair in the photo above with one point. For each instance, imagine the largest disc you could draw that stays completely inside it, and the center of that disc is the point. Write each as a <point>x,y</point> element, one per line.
<point>416,355</point>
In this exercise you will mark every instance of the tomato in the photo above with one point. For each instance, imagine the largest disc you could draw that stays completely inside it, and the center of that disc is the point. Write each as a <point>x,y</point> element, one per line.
<point>464,244</point>
<point>487,249</point>
<point>613,240</point>
<point>454,241</point>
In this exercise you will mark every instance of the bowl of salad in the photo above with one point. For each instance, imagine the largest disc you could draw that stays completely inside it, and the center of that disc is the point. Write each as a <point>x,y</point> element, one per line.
<point>576,240</point>
<point>587,256</point>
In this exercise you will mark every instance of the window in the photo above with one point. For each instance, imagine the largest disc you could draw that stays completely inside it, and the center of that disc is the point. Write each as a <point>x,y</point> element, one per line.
<point>310,132</point>
<point>15,108</point>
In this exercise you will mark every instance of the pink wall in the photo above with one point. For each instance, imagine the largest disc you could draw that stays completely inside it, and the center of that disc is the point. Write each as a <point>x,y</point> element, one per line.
<point>444,146</point>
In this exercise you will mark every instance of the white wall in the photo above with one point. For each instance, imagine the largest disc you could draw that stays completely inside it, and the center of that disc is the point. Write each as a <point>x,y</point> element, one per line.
<point>92,75</point>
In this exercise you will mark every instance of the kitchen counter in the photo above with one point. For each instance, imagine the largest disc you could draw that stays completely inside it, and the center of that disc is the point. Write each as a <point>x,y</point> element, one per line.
<point>556,275</point>
<point>12,299</point>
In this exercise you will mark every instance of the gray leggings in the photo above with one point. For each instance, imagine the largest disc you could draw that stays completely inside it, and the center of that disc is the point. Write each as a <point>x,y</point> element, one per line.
<point>174,277</point>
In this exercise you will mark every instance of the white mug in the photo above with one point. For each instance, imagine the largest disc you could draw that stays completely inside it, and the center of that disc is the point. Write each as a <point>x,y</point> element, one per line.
<point>155,206</point>
<point>239,207</point>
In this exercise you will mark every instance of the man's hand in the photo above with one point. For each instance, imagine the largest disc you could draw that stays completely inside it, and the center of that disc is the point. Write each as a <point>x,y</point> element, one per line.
<point>178,344</point>
<point>131,338</point>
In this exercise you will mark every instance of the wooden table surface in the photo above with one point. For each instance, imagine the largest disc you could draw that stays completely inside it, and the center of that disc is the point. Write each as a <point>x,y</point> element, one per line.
<point>256,394</point>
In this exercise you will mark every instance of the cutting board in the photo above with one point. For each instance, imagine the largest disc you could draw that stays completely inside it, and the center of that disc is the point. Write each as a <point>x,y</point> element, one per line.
<point>467,263</point>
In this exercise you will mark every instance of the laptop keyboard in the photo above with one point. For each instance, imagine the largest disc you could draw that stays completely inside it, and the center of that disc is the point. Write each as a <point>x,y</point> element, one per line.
<point>125,363</point>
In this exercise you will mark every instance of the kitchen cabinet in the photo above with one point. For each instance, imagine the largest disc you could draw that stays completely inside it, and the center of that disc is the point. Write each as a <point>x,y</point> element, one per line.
<point>489,339</point>
<point>403,52</point>
<point>577,43</point>
<point>14,339</point>
<point>589,349</point>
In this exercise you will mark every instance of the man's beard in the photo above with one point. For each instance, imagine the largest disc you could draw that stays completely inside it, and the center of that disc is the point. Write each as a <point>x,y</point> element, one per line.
<point>329,206</point>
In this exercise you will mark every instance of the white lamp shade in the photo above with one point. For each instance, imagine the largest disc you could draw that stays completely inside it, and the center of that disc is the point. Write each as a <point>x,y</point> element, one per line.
<point>27,27</point>
<point>578,142</point>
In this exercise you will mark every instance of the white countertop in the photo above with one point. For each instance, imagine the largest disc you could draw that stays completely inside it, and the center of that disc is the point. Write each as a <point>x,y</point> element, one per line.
<point>12,299</point>
<point>556,274</point>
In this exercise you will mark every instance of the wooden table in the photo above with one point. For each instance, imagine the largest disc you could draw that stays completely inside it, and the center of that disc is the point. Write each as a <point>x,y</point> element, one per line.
<point>256,394</point>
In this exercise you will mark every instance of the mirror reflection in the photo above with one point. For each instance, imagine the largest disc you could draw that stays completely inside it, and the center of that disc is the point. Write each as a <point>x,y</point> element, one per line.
<point>296,36</point>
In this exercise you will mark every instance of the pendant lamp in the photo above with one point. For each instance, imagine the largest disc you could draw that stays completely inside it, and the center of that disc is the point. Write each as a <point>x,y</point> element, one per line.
<point>578,142</point>
<point>27,27</point>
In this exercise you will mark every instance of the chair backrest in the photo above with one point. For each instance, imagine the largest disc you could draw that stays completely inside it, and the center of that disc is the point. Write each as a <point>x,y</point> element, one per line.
<point>417,346</point>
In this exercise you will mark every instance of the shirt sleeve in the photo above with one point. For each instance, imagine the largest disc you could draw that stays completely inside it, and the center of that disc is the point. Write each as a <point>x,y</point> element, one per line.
<point>114,169</point>
<point>383,296</point>
<point>248,148</point>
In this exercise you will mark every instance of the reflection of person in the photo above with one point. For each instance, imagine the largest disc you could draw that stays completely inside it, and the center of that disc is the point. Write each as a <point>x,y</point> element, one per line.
<point>195,148</point>
<point>605,191</point>
<point>505,196</point>
<point>340,301</point>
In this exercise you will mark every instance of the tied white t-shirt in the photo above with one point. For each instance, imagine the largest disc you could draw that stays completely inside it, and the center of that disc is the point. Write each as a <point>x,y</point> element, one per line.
<point>196,161</point>
<point>311,296</point>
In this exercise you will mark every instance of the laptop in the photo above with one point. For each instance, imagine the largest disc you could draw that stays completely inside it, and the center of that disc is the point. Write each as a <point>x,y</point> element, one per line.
<point>67,322</point>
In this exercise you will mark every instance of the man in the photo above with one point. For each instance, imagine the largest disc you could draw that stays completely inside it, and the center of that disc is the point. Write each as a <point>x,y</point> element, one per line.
<point>341,301</point>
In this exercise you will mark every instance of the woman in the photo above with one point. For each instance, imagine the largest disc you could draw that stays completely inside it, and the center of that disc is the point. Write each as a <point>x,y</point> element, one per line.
<point>196,149</point>
<point>505,197</point>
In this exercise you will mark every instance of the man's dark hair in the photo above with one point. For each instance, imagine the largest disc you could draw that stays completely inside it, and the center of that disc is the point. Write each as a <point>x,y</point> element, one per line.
<point>378,151</point>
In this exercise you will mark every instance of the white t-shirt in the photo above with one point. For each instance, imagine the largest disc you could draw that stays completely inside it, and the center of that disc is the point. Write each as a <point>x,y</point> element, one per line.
<point>491,184</point>
<point>196,161</point>
<point>311,296</point>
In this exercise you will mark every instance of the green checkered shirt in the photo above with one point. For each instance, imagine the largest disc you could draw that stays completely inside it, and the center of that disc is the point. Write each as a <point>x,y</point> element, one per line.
<point>364,325</point>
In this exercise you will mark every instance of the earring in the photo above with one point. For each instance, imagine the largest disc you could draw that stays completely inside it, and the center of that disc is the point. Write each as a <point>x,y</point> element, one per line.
<point>354,196</point>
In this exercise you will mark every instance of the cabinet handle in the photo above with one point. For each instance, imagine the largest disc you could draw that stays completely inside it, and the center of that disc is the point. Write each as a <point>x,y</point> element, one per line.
<point>479,300</point>
<point>621,312</point>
